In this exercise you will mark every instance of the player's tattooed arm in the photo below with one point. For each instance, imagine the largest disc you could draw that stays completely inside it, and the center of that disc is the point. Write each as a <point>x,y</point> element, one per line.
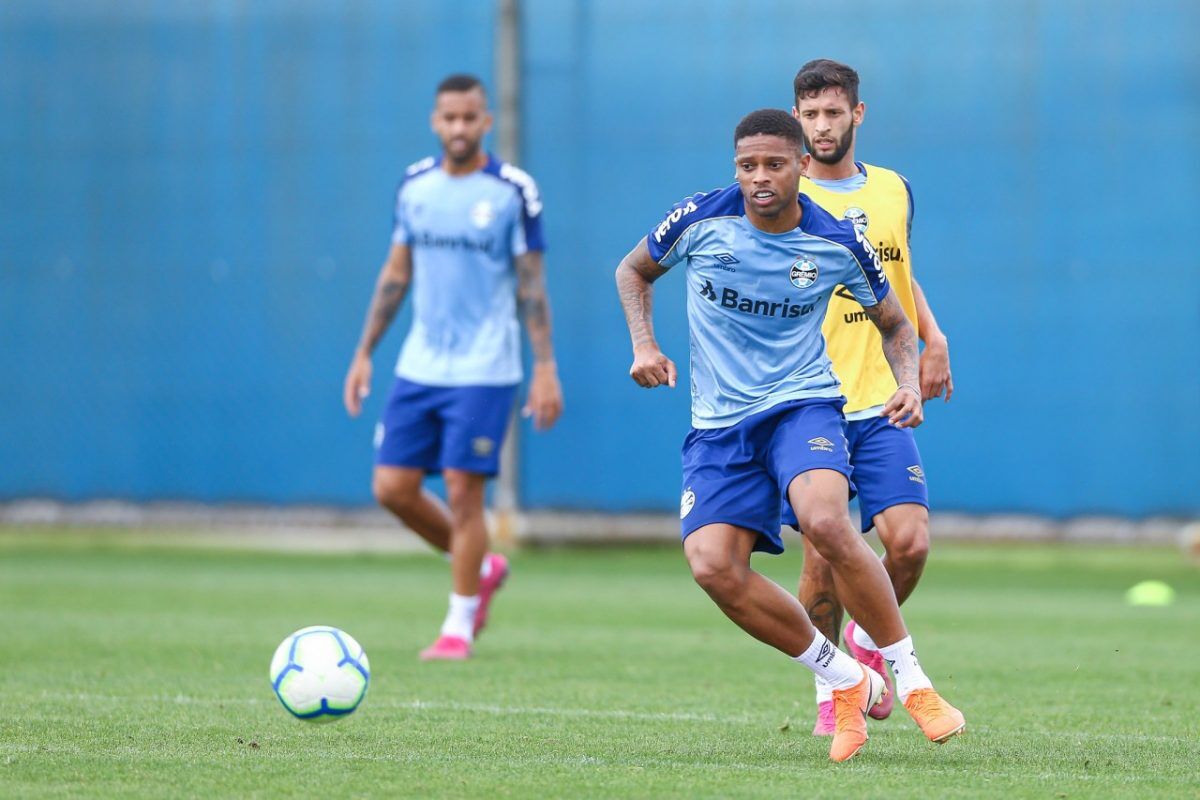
<point>390,289</point>
<point>900,349</point>
<point>635,276</point>
<point>935,358</point>
<point>545,401</point>
<point>394,279</point>
<point>534,305</point>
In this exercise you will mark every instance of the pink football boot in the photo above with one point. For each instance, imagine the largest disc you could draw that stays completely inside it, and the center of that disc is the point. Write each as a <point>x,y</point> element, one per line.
<point>825,719</point>
<point>873,659</point>
<point>447,648</point>
<point>489,586</point>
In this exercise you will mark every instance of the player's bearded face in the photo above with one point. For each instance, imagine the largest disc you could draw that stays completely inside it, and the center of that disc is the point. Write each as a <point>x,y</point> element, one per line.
<point>460,120</point>
<point>828,122</point>
<point>830,148</point>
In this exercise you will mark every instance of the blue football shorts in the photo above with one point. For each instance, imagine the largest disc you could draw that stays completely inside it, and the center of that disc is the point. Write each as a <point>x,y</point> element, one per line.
<point>444,427</point>
<point>736,475</point>
<point>887,469</point>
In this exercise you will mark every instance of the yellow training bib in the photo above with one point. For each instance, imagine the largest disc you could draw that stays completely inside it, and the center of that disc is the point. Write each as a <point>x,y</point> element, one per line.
<point>855,346</point>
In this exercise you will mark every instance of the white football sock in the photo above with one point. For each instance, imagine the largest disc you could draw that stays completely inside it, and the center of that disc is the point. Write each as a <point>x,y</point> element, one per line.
<point>460,619</point>
<point>824,690</point>
<point>902,658</point>
<point>828,662</point>
<point>863,639</point>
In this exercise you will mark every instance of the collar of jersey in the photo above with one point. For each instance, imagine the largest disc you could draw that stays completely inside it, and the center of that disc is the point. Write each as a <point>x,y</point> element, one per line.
<point>806,219</point>
<point>491,166</point>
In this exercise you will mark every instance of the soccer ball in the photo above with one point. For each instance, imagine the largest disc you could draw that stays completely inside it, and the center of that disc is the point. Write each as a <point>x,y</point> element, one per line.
<point>320,674</point>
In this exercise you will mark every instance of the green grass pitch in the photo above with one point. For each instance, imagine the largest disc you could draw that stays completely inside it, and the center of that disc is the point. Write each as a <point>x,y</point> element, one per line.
<point>136,670</point>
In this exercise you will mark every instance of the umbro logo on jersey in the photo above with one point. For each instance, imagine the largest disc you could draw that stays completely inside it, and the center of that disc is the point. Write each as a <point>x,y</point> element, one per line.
<point>917,475</point>
<point>850,317</point>
<point>820,445</point>
<point>726,258</point>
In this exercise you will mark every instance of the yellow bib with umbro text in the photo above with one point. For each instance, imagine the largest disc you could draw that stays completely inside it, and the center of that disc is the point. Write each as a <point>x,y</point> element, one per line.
<point>854,345</point>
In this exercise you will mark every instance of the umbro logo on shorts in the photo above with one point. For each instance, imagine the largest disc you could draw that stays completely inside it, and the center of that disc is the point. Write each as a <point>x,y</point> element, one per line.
<point>821,444</point>
<point>918,474</point>
<point>483,446</point>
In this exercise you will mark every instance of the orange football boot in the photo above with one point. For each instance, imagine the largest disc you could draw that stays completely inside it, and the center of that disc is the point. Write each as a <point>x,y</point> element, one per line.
<point>850,708</point>
<point>936,718</point>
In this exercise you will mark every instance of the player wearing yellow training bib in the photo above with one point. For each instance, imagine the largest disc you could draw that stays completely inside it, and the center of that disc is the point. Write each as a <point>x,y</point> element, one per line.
<point>878,202</point>
<point>887,471</point>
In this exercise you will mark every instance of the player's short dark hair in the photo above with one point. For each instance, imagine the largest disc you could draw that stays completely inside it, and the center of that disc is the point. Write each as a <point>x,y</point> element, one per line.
<point>821,74</point>
<point>460,82</point>
<point>770,122</point>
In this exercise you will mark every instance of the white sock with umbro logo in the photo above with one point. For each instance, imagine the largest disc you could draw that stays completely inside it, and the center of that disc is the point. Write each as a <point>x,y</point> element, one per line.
<point>829,663</point>
<point>902,658</point>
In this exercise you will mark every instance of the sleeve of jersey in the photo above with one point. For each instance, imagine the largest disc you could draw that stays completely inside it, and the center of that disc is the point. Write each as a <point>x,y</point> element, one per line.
<point>668,241</point>
<point>867,281</point>
<point>400,232</point>
<point>529,198</point>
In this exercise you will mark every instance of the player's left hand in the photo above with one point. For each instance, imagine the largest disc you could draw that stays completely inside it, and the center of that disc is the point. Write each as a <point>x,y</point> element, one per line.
<point>935,370</point>
<point>545,402</point>
<point>904,409</point>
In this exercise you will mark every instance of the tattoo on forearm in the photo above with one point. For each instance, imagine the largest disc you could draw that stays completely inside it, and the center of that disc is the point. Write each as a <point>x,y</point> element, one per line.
<point>826,614</point>
<point>637,301</point>
<point>635,288</point>
<point>389,294</point>
<point>899,339</point>
<point>534,305</point>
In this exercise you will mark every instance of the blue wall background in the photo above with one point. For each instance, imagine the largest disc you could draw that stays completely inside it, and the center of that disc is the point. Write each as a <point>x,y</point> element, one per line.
<point>196,201</point>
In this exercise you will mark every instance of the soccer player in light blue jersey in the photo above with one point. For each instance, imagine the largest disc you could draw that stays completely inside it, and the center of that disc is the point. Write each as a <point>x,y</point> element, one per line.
<point>468,242</point>
<point>760,265</point>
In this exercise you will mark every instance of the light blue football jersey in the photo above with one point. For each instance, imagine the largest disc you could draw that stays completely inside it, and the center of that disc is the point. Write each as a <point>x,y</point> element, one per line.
<point>756,301</point>
<point>464,231</point>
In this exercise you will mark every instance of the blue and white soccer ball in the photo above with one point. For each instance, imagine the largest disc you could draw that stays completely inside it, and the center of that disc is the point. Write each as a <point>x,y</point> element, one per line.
<point>320,674</point>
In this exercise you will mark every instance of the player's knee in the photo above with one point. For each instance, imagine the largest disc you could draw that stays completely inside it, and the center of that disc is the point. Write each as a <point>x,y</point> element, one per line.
<point>716,572</point>
<point>831,535</point>
<point>910,546</point>
<point>465,498</point>
<point>394,493</point>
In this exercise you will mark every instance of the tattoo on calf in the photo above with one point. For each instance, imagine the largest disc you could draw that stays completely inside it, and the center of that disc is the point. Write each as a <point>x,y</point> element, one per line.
<point>826,615</point>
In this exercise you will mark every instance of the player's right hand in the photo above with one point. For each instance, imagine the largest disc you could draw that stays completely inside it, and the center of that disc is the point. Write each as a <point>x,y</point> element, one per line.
<point>651,368</point>
<point>904,410</point>
<point>358,383</point>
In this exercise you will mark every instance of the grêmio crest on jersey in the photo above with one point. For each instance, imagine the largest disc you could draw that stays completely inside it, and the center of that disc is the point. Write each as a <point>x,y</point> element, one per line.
<point>803,273</point>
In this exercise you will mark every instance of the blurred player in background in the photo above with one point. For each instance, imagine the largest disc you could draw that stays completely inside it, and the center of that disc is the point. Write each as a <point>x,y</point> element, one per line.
<point>761,263</point>
<point>888,474</point>
<point>468,241</point>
